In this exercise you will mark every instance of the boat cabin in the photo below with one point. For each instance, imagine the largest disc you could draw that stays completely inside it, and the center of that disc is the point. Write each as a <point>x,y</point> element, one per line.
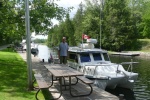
<point>86,54</point>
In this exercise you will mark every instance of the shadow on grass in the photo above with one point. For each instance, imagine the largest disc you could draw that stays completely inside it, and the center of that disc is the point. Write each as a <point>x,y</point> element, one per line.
<point>14,80</point>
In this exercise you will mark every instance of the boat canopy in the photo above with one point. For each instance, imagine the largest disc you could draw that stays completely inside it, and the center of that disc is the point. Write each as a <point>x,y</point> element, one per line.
<point>87,50</point>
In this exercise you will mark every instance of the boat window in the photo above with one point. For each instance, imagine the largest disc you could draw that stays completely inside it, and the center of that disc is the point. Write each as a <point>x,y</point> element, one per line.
<point>106,57</point>
<point>71,56</point>
<point>97,56</point>
<point>85,58</point>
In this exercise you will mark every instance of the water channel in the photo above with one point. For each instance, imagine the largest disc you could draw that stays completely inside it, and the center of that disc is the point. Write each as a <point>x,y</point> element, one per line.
<point>141,89</point>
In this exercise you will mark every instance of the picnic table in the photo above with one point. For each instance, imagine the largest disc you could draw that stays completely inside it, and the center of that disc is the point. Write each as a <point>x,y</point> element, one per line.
<point>59,72</point>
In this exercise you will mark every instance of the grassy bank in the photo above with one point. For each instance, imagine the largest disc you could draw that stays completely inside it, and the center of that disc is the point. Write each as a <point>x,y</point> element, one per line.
<point>13,78</point>
<point>145,45</point>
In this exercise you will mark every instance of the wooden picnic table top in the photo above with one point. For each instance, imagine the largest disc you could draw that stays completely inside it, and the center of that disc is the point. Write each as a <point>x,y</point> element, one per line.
<point>59,70</point>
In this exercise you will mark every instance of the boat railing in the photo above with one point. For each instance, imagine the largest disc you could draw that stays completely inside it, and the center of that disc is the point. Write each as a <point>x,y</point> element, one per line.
<point>130,67</point>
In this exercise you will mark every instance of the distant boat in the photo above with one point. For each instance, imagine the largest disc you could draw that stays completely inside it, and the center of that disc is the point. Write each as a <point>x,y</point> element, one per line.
<point>34,47</point>
<point>34,51</point>
<point>96,65</point>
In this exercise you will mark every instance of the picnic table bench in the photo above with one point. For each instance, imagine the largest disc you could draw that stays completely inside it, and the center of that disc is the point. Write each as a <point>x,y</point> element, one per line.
<point>62,71</point>
<point>41,83</point>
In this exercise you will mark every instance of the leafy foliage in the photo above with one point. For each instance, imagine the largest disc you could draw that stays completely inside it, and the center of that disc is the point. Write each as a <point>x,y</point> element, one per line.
<point>12,18</point>
<point>118,27</point>
<point>120,30</point>
<point>78,24</point>
<point>41,14</point>
<point>145,24</point>
<point>116,24</point>
<point>40,41</point>
<point>69,30</point>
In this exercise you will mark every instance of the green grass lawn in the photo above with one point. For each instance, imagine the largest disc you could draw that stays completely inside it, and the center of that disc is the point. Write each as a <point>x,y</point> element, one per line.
<point>13,78</point>
<point>145,45</point>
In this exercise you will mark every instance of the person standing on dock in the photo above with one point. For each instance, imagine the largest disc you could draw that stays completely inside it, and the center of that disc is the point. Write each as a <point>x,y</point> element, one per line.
<point>63,51</point>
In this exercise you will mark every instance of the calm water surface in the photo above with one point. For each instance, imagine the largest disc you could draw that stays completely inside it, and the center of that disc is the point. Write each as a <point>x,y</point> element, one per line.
<point>44,52</point>
<point>141,89</point>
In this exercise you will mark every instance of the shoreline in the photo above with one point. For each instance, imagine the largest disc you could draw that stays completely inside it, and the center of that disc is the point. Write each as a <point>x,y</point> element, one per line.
<point>141,54</point>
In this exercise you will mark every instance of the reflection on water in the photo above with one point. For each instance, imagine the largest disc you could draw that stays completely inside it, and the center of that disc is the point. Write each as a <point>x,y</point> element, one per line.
<point>141,89</point>
<point>128,94</point>
<point>44,52</point>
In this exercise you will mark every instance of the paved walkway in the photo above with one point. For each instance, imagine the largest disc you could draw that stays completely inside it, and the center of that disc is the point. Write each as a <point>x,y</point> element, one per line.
<point>98,94</point>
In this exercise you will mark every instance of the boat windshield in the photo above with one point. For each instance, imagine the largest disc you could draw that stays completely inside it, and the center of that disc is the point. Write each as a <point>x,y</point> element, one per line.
<point>85,57</point>
<point>106,58</point>
<point>97,56</point>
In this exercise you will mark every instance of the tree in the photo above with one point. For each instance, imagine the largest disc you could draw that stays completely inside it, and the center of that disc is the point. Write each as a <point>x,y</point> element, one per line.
<point>78,25</point>
<point>12,18</point>
<point>7,22</point>
<point>91,19</point>
<point>69,30</point>
<point>119,27</point>
<point>145,23</point>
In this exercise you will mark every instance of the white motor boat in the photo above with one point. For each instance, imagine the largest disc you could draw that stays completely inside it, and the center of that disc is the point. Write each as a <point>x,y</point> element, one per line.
<point>96,65</point>
<point>34,47</point>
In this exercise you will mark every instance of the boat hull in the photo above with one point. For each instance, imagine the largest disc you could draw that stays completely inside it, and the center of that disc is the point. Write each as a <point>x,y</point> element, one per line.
<point>34,51</point>
<point>113,82</point>
<point>128,81</point>
<point>99,81</point>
